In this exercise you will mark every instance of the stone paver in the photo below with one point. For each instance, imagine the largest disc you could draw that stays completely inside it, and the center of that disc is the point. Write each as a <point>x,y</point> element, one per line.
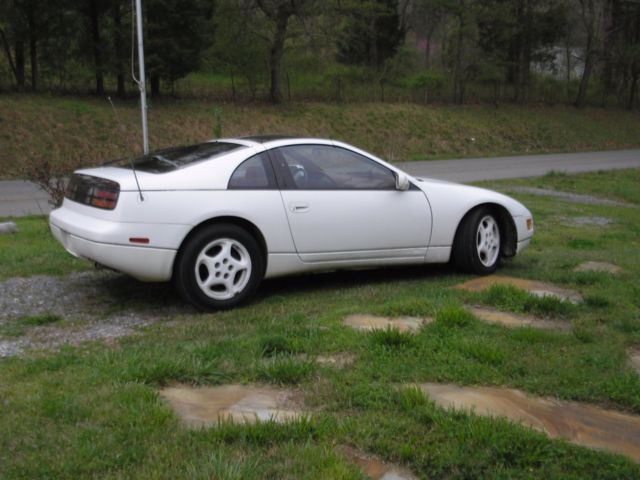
<point>584,425</point>
<point>368,323</point>
<point>8,227</point>
<point>206,406</point>
<point>598,267</point>
<point>375,468</point>
<point>492,315</point>
<point>534,287</point>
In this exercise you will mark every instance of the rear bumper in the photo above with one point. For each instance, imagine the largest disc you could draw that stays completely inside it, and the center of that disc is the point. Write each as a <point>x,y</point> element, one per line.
<point>144,263</point>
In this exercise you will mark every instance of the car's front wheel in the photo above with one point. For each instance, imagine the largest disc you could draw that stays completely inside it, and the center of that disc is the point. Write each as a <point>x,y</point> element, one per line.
<point>219,266</point>
<point>477,245</point>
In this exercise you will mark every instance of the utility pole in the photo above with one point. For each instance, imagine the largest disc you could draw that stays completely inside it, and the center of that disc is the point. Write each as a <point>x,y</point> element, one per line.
<point>142,81</point>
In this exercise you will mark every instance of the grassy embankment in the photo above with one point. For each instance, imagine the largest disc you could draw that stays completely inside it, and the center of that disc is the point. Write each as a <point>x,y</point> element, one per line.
<point>95,412</point>
<point>73,132</point>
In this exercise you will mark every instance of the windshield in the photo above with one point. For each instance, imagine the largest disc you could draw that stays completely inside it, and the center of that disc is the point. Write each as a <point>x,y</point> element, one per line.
<point>169,159</point>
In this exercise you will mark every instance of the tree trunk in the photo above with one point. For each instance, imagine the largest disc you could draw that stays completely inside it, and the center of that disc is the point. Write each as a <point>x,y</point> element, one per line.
<point>615,15</point>
<point>633,90</point>
<point>33,50</point>
<point>277,50</point>
<point>427,51</point>
<point>94,18</point>
<point>567,47</point>
<point>155,85</point>
<point>119,47</point>
<point>581,99</point>
<point>7,51</point>
<point>19,49</point>
<point>458,81</point>
<point>524,54</point>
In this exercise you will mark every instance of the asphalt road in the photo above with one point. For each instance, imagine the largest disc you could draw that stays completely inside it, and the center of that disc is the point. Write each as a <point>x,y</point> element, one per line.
<point>496,168</point>
<point>19,198</point>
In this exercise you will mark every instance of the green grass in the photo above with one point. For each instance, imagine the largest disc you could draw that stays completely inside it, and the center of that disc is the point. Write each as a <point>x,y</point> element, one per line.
<point>94,412</point>
<point>67,133</point>
<point>19,326</point>
<point>509,298</point>
<point>31,251</point>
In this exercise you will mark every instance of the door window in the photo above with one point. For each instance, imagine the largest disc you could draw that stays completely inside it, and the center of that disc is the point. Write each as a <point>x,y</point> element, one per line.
<point>324,167</point>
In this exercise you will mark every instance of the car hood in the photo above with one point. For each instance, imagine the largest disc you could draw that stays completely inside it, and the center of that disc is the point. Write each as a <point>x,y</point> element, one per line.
<point>443,190</point>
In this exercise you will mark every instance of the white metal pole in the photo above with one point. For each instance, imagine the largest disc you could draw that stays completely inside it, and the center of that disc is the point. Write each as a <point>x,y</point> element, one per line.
<point>142,82</point>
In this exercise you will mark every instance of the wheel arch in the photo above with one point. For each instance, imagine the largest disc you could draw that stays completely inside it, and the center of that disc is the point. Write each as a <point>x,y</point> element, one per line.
<point>243,223</point>
<point>508,232</point>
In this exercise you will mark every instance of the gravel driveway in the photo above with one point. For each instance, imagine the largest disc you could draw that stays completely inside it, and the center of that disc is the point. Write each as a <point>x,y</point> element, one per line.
<point>92,306</point>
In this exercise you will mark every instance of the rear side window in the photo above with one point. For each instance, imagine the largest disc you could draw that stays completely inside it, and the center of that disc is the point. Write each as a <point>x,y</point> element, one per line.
<point>169,159</point>
<point>253,173</point>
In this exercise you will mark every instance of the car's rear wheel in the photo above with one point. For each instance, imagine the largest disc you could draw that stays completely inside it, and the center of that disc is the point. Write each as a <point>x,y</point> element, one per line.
<point>219,266</point>
<point>477,246</point>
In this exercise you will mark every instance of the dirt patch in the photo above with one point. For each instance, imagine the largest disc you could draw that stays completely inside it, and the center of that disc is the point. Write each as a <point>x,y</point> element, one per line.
<point>634,358</point>
<point>584,425</point>
<point>534,287</point>
<point>369,323</point>
<point>512,320</point>
<point>206,406</point>
<point>338,360</point>
<point>95,306</point>
<point>374,468</point>
<point>593,221</point>
<point>571,197</point>
<point>598,267</point>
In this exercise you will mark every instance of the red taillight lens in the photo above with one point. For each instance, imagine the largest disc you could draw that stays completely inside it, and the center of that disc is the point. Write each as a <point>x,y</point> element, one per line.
<point>104,198</point>
<point>93,191</point>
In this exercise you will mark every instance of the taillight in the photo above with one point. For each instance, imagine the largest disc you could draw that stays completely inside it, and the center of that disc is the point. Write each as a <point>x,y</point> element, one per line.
<point>94,191</point>
<point>104,198</point>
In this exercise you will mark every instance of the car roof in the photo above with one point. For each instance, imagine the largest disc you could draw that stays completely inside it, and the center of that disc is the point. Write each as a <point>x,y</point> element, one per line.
<point>266,138</point>
<point>271,141</point>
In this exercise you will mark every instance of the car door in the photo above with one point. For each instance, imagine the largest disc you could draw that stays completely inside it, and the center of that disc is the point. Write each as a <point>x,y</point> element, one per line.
<point>343,206</point>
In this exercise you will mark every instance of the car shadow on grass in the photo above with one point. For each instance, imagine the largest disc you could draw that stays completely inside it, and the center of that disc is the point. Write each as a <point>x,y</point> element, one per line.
<point>336,280</point>
<point>123,293</point>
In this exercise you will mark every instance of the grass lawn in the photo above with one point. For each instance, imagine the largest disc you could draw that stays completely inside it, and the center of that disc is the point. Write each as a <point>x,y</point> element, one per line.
<point>57,134</point>
<point>94,411</point>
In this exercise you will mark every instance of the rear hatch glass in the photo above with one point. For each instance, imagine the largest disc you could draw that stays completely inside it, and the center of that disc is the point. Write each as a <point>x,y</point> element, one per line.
<point>169,159</point>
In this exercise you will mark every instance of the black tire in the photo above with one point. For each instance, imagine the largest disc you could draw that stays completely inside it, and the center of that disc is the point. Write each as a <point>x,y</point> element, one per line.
<point>474,253</point>
<point>219,266</point>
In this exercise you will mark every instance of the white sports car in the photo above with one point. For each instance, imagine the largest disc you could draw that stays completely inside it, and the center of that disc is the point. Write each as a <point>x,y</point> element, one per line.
<point>218,217</point>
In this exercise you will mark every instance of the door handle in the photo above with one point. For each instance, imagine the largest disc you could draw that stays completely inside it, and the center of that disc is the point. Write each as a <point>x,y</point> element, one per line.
<point>298,207</point>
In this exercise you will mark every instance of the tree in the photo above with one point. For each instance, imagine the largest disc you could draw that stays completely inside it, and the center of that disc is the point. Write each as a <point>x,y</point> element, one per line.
<point>372,33</point>
<point>12,33</point>
<point>592,16</point>
<point>621,69</point>
<point>118,44</point>
<point>29,25</point>
<point>235,50</point>
<point>424,18</point>
<point>279,12</point>
<point>94,9</point>
<point>176,34</point>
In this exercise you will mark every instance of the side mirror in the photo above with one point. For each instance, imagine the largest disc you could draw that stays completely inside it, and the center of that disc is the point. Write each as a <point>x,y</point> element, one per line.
<point>402,182</point>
